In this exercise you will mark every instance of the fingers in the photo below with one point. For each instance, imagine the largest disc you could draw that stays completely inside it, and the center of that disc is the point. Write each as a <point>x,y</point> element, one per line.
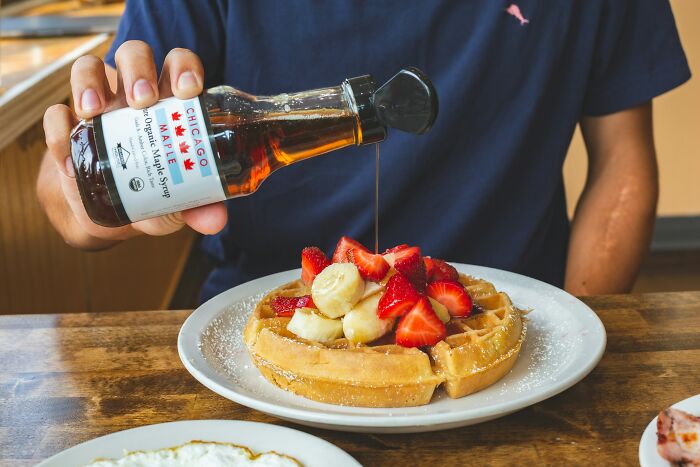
<point>91,93</point>
<point>137,74</point>
<point>60,199</point>
<point>207,220</point>
<point>59,120</point>
<point>182,75</point>
<point>162,225</point>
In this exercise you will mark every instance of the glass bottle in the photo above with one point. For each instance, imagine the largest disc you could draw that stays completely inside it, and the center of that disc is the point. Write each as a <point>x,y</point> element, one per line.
<point>132,164</point>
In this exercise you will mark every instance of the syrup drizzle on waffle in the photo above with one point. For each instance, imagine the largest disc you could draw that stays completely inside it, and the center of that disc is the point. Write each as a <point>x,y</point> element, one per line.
<point>478,352</point>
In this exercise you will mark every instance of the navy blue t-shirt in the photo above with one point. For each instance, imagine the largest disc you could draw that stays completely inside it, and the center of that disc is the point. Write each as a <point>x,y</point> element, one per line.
<point>484,186</point>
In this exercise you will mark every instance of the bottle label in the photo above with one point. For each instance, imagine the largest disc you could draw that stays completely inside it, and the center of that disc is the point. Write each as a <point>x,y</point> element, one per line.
<point>161,157</point>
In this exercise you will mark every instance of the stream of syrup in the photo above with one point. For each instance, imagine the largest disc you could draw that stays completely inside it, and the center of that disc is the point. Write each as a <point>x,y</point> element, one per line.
<point>376,199</point>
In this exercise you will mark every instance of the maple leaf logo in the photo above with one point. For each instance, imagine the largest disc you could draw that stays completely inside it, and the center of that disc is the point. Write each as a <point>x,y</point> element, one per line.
<point>189,165</point>
<point>176,115</point>
<point>179,130</point>
<point>184,147</point>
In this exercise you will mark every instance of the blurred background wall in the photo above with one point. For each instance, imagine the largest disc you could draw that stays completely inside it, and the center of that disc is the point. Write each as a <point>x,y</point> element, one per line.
<point>39,273</point>
<point>676,128</point>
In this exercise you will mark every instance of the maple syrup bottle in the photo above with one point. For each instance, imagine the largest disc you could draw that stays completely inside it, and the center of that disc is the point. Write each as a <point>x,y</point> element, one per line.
<point>133,164</point>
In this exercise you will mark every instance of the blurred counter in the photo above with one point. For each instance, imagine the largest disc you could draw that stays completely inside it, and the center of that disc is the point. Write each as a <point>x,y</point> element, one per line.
<point>38,271</point>
<point>34,72</point>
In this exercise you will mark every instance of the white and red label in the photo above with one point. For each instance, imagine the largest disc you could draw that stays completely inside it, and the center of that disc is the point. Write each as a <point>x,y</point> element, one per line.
<point>161,158</point>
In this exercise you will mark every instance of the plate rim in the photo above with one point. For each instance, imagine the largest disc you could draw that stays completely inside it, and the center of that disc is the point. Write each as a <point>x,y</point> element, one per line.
<point>378,420</point>
<point>155,426</point>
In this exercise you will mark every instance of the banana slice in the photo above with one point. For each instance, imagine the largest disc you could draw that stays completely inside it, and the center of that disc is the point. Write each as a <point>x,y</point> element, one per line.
<point>337,289</point>
<point>310,325</point>
<point>390,258</point>
<point>371,288</point>
<point>440,310</point>
<point>361,325</point>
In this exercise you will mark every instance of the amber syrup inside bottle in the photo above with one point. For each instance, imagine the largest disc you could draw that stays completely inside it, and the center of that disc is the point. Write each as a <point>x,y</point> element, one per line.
<point>256,136</point>
<point>250,137</point>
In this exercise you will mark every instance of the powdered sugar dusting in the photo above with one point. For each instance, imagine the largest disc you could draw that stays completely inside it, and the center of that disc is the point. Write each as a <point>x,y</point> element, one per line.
<point>222,340</point>
<point>563,340</point>
<point>222,345</point>
<point>548,345</point>
<point>546,349</point>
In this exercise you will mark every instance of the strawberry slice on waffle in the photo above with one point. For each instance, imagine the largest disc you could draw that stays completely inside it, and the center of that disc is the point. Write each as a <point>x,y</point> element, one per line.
<point>285,306</point>
<point>439,270</point>
<point>345,244</point>
<point>453,296</point>
<point>371,267</point>
<point>408,261</point>
<point>313,261</point>
<point>420,326</point>
<point>399,297</point>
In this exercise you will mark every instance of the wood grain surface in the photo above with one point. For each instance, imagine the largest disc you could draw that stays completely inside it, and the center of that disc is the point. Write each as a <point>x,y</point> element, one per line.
<point>68,378</point>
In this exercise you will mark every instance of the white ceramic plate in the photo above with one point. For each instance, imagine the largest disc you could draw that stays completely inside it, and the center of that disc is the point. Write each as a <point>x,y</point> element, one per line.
<point>565,340</point>
<point>648,456</point>
<point>260,437</point>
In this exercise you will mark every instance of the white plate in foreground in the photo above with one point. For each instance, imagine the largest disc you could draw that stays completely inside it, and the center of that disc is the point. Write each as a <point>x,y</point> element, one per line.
<point>259,437</point>
<point>565,340</point>
<point>648,455</point>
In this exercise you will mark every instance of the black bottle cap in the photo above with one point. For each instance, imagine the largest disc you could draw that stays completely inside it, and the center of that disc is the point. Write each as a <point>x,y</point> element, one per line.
<point>363,89</point>
<point>407,102</point>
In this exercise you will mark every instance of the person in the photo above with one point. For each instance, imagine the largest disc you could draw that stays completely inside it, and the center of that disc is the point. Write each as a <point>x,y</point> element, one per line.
<point>484,186</point>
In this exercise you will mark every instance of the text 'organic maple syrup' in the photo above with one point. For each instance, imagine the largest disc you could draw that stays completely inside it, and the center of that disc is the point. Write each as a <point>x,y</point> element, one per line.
<point>179,154</point>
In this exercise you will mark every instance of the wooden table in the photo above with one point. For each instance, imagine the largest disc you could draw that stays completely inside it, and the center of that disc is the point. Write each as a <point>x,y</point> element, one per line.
<point>68,378</point>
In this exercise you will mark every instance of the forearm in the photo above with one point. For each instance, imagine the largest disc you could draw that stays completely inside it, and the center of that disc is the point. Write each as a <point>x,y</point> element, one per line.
<point>612,226</point>
<point>610,234</point>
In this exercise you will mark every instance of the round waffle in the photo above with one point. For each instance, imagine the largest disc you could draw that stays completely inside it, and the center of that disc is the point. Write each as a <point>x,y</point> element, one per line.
<point>476,353</point>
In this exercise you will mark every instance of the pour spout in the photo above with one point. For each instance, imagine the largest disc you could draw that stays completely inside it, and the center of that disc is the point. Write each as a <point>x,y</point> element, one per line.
<point>407,102</point>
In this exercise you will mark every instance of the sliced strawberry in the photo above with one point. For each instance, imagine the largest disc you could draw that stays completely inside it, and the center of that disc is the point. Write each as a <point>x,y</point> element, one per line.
<point>346,244</point>
<point>429,267</point>
<point>403,246</point>
<point>452,295</point>
<point>420,326</point>
<point>305,301</point>
<point>389,254</point>
<point>285,306</point>
<point>372,267</point>
<point>408,262</point>
<point>439,270</point>
<point>313,261</point>
<point>399,297</point>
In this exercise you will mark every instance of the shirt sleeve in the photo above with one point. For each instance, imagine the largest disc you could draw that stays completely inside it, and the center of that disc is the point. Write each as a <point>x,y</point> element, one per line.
<point>167,24</point>
<point>638,56</point>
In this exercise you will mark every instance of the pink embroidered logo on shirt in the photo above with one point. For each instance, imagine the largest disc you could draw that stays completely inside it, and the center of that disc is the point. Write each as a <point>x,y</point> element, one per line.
<point>514,10</point>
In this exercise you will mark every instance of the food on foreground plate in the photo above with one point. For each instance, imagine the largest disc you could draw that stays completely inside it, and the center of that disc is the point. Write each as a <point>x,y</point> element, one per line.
<point>678,435</point>
<point>383,330</point>
<point>200,454</point>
